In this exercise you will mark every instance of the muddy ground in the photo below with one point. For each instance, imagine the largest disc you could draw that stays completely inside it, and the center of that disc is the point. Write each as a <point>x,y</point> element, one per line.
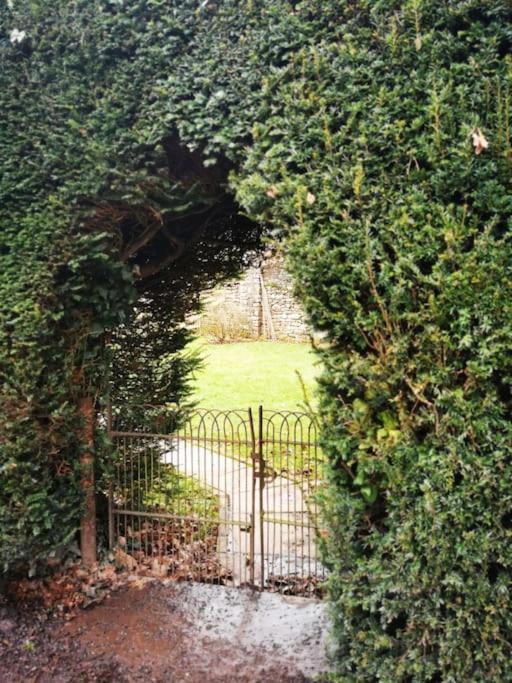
<point>167,632</point>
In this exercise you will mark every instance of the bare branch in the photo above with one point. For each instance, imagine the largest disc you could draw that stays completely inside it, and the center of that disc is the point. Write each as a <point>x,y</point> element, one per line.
<point>151,269</point>
<point>145,237</point>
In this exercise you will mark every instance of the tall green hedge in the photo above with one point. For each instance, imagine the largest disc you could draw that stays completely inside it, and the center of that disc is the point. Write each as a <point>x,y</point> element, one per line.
<point>81,154</point>
<point>372,158</point>
<point>372,138</point>
<point>57,295</point>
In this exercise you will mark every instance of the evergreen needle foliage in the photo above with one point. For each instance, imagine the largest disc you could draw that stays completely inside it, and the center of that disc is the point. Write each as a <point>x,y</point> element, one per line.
<point>373,139</point>
<point>109,229</point>
<point>398,225</point>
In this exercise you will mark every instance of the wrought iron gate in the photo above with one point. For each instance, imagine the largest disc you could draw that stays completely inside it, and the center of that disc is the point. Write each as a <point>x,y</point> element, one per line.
<point>224,497</point>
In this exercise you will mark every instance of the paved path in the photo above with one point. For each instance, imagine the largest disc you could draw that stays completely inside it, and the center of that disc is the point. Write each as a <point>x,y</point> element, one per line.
<point>288,535</point>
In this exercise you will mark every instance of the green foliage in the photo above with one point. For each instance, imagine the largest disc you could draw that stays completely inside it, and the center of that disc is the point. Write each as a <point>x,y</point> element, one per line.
<point>54,306</point>
<point>400,243</point>
<point>80,187</point>
<point>348,128</point>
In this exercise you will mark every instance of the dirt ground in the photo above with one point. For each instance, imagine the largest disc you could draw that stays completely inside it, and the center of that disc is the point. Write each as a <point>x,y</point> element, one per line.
<point>168,632</point>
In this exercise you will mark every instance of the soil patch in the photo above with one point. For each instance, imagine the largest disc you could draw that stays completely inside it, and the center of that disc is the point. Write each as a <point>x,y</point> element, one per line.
<point>168,632</point>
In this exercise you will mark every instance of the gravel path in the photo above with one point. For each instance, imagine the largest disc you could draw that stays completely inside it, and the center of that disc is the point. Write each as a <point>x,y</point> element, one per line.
<point>208,634</point>
<point>288,631</point>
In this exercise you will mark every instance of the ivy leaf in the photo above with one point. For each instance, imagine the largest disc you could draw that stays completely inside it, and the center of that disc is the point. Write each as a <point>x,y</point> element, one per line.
<point>369,493</point>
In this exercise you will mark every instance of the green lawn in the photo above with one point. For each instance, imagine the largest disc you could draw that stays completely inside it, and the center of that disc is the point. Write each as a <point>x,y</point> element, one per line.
<point>247,374</point>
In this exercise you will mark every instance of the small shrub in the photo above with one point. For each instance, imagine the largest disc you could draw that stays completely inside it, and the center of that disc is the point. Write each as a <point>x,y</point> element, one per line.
<point>222,323</point>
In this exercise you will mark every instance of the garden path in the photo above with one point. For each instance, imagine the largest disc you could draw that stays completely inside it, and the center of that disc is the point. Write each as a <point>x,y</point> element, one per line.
<point>288,532</point>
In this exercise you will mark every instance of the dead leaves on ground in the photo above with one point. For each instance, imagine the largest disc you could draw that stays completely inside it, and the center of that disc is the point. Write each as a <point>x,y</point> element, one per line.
<point>177,549</point>
<point>69,589</point>
<point>304,586</point>
<point>158,550</point>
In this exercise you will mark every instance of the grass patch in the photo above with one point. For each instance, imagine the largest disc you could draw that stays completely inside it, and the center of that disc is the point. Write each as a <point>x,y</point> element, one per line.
<point>247,374</point>
<point>175,493</point>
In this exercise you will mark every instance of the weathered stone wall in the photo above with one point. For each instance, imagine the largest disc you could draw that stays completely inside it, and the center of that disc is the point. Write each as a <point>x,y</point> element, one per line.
<point>264,299</point>
<point>288,317</point>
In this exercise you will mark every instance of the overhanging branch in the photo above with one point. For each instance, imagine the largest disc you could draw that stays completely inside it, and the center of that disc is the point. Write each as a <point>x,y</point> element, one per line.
<point>180,245</point>
<point>146,236</point>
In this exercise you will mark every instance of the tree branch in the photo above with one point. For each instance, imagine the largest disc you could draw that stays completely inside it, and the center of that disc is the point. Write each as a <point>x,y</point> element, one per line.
<point>145,237</point>
<point>152,269</point>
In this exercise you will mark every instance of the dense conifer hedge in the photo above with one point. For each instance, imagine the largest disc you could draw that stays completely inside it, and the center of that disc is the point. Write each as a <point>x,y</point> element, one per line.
<point>97,195</point>
<point>388,159</point>
<point>373,139</point>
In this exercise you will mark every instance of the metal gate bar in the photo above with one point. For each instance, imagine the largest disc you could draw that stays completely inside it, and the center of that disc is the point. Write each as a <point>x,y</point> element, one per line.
<point>261,476</point>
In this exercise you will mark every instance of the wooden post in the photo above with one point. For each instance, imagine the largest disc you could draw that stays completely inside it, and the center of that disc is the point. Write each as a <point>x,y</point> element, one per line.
<point>269,331</point>
<point>110,487</point>
<point>88,522</point>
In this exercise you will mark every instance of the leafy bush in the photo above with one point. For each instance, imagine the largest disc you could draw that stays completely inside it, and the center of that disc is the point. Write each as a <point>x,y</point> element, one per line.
<point>89,302</point>
<point>386,157</point>
<point>41,339</point>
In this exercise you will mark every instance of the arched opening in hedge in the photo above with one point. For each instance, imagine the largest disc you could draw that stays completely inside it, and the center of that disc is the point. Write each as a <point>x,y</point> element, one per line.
<point>185,233</point>
<point>180,235</point>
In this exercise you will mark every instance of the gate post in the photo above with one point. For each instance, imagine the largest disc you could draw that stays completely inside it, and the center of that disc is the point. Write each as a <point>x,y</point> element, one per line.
<point>258,482</point>
<point>261,469</point>
<point>253,499</point>
<point>110,486</point>
<point>88,521</point>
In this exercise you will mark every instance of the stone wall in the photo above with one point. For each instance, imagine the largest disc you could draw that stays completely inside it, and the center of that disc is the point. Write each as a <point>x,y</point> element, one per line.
<point>264,303</point>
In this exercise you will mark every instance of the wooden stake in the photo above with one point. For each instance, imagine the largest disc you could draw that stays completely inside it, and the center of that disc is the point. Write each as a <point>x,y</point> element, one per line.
<point>268,322</point>
<point>88,522</point>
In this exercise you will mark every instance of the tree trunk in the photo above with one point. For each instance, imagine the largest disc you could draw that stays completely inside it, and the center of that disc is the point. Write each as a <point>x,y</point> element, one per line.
<point>88,522</point>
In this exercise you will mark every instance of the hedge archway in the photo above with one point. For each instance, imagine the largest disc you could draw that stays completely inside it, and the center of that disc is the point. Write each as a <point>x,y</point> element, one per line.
<point>373,139</point>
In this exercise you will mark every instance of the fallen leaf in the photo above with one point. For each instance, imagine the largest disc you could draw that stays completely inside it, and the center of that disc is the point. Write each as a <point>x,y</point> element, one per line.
<point>125,560</point>
<point>480,142</point>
